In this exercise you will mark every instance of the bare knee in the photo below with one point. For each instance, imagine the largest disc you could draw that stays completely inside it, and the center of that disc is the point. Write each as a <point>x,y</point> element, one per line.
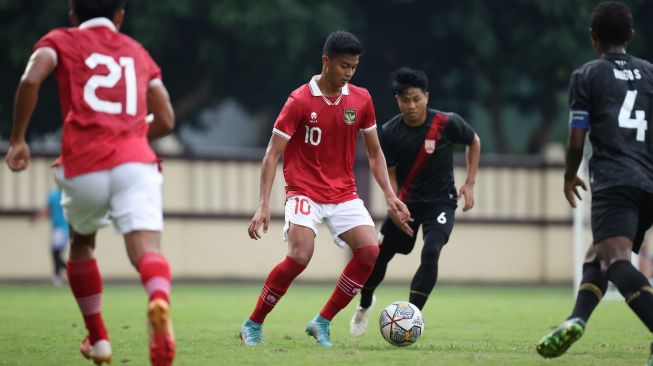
<point>82,246</point>
<point>614,249</point>
<point>301,252</point>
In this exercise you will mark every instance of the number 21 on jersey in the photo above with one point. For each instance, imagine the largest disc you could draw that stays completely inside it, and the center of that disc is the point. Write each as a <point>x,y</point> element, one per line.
<point>109,81</point>
<point>625,116</point>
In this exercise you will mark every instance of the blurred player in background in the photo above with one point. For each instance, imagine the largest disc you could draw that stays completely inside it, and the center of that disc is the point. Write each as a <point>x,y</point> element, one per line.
<point>316,133</point>
<point>610,97</point>
<point>418,146</point>
<point>58,232</point>
<point>107,170</point>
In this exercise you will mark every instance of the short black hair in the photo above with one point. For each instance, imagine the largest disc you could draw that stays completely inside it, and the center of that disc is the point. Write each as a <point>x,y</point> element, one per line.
<point>612,22</point>
<point>406,78</point>
<point>89,9</point>
<point>342,43</point>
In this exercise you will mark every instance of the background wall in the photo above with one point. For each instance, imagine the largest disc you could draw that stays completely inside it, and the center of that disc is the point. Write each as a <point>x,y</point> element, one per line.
<point>519,231</point>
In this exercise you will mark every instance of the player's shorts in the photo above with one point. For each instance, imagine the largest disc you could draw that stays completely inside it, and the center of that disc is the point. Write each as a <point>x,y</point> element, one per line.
<point>129,195</point>
<point>434,216</point>
<point>622,211</point>
<point>339,217</point>
<point>59,238</point>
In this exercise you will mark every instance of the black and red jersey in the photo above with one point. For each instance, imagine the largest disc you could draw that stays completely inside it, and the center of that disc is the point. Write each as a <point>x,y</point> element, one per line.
<point>423,156</point>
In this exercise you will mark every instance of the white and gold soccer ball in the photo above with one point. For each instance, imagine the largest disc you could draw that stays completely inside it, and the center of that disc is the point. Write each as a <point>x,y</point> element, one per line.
<point>401,323</point>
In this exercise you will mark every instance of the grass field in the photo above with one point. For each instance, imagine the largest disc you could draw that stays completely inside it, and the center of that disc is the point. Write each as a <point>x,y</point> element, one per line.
<point>40,325</point>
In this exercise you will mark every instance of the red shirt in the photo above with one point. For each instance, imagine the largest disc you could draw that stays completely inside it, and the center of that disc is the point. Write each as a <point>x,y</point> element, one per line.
<point>321,133</point>
<point>103,77</point>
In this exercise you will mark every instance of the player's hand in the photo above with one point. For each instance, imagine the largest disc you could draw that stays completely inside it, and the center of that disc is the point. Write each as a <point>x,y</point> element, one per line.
<point>467,191</point>
<point>571,190</point>
<point>18,156</point>
<point>262,216</point>
<point>399,214</point>
<point>403,226</point>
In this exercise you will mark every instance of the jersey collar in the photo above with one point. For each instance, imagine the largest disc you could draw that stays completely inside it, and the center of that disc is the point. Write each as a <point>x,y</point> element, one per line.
<point>98,22</point>
<point>316,92</point>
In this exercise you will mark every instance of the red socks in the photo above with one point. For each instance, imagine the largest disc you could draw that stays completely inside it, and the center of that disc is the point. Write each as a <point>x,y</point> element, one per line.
<point>351,281</point>
<point>86,284</point>
<point>155,275</point>
<point>275,287</point>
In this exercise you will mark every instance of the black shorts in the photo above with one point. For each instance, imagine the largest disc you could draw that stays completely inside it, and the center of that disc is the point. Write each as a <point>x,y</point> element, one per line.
<point>622,211</point>
<point>436,216</point>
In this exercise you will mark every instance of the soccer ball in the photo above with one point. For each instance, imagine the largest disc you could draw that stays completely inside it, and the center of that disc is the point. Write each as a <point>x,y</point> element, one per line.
<point>401,323</point>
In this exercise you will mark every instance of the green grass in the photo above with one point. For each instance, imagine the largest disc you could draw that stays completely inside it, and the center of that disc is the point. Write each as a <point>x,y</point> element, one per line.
<point>40,325</point>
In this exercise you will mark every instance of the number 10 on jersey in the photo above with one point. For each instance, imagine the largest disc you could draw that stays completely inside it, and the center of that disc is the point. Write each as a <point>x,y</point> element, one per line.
<point>313,135</point>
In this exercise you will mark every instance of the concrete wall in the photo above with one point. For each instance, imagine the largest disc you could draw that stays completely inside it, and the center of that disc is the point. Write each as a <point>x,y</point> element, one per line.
<point>518,232</point>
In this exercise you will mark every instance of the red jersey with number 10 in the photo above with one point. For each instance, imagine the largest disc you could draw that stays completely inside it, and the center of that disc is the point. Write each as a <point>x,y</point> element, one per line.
<point>321,133</point>
<point>103,77</point>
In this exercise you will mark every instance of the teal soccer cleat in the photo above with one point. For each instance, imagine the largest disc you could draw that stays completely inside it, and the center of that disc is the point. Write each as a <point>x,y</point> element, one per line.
<point>319,329</point>
<point>560,339</point>
<point>251,333</point>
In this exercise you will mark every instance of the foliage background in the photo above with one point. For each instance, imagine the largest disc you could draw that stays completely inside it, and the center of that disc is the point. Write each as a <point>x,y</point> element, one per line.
<point>502,64</point>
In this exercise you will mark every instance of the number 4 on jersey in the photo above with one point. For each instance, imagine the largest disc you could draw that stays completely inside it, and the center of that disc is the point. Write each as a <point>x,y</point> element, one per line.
<point>639,122</point>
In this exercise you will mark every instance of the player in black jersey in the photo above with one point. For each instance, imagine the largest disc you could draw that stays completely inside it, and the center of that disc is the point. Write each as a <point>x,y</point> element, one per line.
<point>612,98</point>
<point>418,147</point>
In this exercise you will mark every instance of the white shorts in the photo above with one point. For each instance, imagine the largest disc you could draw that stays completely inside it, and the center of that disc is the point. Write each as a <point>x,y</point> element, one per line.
<point>59,239</point>
<point>339,217</point>
<point>129,195</point>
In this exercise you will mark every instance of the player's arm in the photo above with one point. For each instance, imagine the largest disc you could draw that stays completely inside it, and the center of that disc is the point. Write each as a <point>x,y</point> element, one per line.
<point>472,157</point>
<point>573,157</point>
<point>392,174</point>
<point>158,103</point>
<point>39,66</point>
<point>397,210</point>
<point>275,148</point>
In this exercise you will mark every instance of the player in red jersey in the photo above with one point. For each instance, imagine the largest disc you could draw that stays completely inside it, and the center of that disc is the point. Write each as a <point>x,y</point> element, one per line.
<point>316,132</point>
<point>107,170</point>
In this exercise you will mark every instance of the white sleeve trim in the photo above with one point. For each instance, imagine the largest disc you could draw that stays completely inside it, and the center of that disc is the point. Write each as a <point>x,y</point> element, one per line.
<point>369,129</point>
<point>154,83</point>
<point>51,52</point>
<point>281,134</point>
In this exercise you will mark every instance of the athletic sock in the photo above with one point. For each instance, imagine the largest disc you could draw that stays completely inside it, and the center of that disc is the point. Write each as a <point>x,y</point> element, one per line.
<point>351,281</point>
<point>591,290</point>
<point>86,284</point>
<point>426,275</point>
<point>377,275</point>
<point>275,287</point>
<point>634,287</point>
<point>155,276</point>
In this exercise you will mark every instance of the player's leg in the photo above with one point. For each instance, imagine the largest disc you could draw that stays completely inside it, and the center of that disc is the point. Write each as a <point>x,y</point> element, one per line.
<point>351,225</point>
<point>592,288</point>
<point>58,266</point>
<point>58,245</point>
<point>86,284</point>
<point>615,250</point>
<point>136,211</point>
<point>300,230</point>
<point>436,234</point>
<point>360,319</point>
<point>631,283</point>
<point>391,241</point>
<point>86,201</point>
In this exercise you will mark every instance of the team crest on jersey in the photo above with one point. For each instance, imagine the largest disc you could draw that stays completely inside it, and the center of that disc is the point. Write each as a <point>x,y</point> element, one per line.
<point>313,117</point>
<point>350,116</point>
<point>429,146</point>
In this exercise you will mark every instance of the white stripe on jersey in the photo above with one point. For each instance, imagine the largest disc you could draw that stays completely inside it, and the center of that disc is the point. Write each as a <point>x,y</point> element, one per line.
<point>281,134</point>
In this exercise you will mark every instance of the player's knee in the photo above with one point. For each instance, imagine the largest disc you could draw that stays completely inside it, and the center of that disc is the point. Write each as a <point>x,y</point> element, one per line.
<point>430,255</point>
<point>367,255</point>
